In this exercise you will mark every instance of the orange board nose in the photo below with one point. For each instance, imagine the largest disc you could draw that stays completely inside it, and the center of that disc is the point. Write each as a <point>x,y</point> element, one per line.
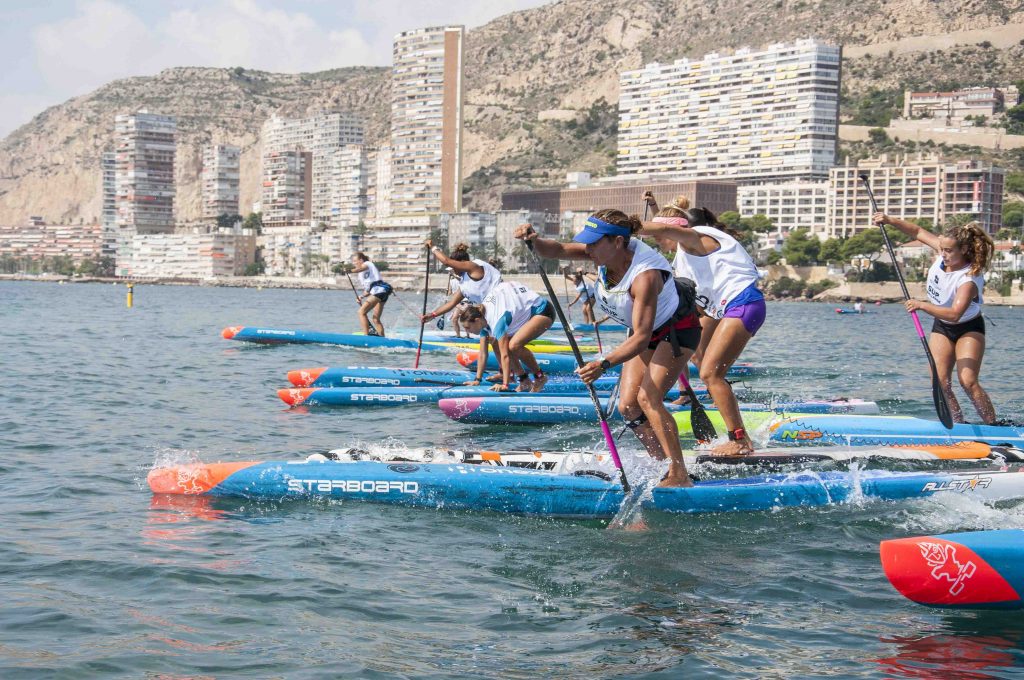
<point>304,377</point>
<point>466,358</point>
<point>294,396</point>
<point>192,479</point>
<point>231,331</point>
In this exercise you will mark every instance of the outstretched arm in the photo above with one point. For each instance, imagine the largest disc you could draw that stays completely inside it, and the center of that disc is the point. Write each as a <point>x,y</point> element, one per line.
<point>909,228</point>
<point>692,241</point>
<point>475,271</point>
<point>550,248</point>
<point>449,305</point>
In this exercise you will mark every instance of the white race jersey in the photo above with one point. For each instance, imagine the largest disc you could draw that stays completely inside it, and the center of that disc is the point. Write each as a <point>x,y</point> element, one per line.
<point>943,285</point>
<point>476,291</point>
<point>507,307</point>
<point>720,276</point>
<point>368,276</point>
<point>617,303</point>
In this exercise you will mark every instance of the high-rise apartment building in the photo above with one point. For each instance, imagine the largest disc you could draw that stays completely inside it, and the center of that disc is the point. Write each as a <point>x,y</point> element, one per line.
<point>914,188</point>
<point>108,202</point>
<point>220,180</point>
<point>379,190</point>
<point>764,115</point>
<point>145,173</point>
<point>476,229</point>
<point>348,176</point>
<point>287,185</point>
<point>426,121</point>
<point>320,134</point>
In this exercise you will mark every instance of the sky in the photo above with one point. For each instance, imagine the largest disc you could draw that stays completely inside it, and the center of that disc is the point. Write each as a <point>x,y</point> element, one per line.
<point>52,50</point>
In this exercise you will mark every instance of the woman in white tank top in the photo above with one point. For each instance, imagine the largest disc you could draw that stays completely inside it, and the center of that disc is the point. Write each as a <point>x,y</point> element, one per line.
<point>734,308</point>
<point>584,291</point>
<point>375,294</point>
<point>476,279</point>
<point>636,288</point>
<point>954,288</point>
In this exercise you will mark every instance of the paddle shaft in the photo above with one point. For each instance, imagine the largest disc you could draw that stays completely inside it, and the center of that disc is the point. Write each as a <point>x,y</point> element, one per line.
<point>426,288</point>
<point>612,449</point>
<point>938,394</point>
<point>353,284</point>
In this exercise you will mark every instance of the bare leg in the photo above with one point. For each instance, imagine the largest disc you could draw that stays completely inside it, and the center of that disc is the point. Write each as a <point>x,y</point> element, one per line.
<point>724,347</point>
<point>530,331</point>
<point>364,320</point>
<point>970,350</point>
<point>641,394</point>
<point>378,309</point>
<point>944,353</point>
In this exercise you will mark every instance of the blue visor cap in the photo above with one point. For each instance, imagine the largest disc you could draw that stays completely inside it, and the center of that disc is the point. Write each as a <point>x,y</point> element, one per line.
<point>594,229</point>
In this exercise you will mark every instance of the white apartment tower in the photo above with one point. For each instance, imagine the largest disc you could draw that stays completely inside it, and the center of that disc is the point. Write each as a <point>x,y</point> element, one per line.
<point>319,134</point>
<point>426,121</point>
<point>220,180</point>
<point>348,176</point>
<point>752,116</point>
<point>287,184</point>
<point>145,173</point>
<point>108,202</point>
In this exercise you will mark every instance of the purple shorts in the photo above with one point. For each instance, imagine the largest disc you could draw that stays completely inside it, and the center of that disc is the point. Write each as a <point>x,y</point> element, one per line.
<point>751,314</point>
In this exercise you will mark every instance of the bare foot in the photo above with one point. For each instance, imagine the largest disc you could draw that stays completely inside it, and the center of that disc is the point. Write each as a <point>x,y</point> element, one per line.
<point>525,386</point>
<point>677,476</point>
<point>683,400</point>
<point>732,449</point>
<point>538,383</point>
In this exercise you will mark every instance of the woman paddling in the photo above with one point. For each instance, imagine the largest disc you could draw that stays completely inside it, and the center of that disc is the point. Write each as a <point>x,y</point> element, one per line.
<point>375,294</point>
<point>584,290</point>
<point>727,292</point>
<point>635,288</point>
<point>512,316</point>
<point>954,287</point>
<point>476,279</point>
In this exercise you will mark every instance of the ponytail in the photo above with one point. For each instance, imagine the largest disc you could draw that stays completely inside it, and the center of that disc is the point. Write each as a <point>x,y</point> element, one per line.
<point>975,244</point>
<point>460,253</point>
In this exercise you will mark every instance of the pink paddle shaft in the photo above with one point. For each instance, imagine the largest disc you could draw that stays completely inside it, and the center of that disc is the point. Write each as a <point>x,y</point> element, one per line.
<point>610,440</point>
<point>917,325</point>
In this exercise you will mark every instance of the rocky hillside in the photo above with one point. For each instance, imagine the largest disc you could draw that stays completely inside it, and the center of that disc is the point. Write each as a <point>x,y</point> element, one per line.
<point>542,87</point>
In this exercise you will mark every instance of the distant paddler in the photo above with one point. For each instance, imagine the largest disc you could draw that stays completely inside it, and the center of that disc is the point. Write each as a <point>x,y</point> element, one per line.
<point>954,286</point>
<point>635,287</point>
<point>375,293</point>
<point>584,291</point>
<point>511,317</point>
<point>476,279</point>
<point>726,285</point>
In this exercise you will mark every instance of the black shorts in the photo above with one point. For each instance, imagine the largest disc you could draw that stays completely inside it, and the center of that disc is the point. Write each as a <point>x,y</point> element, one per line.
<point>955,331</point>
<point>548,311</point>
<point>689,338</point>
<point>382,296</point>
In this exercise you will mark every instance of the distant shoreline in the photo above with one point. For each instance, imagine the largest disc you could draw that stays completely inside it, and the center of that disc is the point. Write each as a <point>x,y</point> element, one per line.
<point>887,292</point>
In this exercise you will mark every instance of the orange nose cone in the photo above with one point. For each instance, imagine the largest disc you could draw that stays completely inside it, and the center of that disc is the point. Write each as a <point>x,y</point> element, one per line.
<point>295,396</point>
<point>163,480</point>
<point>467,358</point>
<point>231,331</point>
<point>304,377</point>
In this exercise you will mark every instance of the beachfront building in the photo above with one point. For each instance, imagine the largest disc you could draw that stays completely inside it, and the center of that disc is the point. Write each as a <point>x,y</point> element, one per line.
<point>348,176</point>
<point>144,173</point>
<point>717,196</point>
<point>912,188</point>
<point>379,186</point>
<point>27,247</point>
<point>511,250</point>
<point>200,253</point>
<point>220,178</point>
<point>749,116</point>
<point>789,206</point>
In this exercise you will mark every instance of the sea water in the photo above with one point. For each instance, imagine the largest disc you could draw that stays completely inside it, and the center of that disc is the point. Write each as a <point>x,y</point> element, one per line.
<point>99,578</point>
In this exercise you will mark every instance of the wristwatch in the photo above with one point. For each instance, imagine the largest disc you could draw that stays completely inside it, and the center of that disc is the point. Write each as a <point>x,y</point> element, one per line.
<point>605,364</point>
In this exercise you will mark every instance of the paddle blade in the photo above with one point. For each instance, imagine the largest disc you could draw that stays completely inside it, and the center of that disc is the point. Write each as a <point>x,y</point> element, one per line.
<point>703,430</point>
<point>941,405</point>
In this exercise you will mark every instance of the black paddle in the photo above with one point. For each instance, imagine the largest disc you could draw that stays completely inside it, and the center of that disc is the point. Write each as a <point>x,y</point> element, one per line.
<point>938,395</point>
<point>426,290</point>
<point>700,423</point>
<point>579,362</point>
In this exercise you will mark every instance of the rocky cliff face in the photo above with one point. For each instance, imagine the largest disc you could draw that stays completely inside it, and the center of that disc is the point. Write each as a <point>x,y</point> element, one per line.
<point>542,87</point>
